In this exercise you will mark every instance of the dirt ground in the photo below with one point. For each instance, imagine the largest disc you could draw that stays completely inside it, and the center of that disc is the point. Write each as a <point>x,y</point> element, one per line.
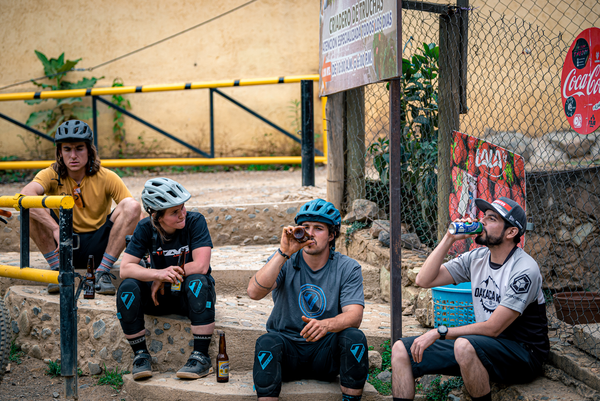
<point>27,381</point>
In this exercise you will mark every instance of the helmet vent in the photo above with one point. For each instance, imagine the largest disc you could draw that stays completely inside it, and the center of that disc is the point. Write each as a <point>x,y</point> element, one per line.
<point>172,194</point>
<point>161,199</point>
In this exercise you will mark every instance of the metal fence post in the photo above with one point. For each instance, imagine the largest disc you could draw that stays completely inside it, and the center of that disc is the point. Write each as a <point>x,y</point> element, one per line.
<point>24,236</point>
<point>308,134</point>
<point>68,322</point>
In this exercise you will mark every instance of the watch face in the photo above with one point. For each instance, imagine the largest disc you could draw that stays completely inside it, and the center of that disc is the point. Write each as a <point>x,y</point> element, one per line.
<point>442,330</point>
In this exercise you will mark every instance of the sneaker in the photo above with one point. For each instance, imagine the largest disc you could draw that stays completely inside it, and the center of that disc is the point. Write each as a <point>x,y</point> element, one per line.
<point>198,365</point>
<point>141,365</point>
<point>104,284</point>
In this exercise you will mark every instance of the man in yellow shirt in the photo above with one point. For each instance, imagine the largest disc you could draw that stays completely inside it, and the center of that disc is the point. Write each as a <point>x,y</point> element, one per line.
<point>96,230</point>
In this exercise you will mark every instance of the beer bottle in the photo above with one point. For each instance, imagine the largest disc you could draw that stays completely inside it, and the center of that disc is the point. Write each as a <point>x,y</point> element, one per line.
<point>89,284</point>
<point>222,360</point>
<point>176,288</point>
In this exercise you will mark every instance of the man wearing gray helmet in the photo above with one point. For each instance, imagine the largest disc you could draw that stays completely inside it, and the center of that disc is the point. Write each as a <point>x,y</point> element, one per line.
<point>97,230</point>
<point>169,234</point>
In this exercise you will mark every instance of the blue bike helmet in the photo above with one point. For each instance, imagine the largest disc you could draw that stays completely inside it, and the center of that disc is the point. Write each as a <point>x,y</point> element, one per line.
<point>321,211</point>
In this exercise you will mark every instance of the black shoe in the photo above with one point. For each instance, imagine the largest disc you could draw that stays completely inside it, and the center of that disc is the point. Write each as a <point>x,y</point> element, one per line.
<point>141,365</point>
<point>104,284</point>
<point>198,365</point>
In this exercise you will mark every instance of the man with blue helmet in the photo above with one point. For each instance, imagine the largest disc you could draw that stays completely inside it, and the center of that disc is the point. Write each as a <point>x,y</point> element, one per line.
<point>318,294</point>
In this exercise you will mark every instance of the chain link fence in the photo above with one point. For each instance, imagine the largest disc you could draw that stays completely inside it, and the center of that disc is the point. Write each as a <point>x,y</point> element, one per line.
<point>513,100</point>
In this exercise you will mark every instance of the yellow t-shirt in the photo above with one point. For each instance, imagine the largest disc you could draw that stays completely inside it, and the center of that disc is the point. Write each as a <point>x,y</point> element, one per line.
<point>97,192</point>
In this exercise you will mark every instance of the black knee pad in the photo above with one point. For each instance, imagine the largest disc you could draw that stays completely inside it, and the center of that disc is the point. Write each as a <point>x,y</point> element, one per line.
<point>200,292</point>
<point>129,306</point>
<point>354,358</point>
<point>267,365</point>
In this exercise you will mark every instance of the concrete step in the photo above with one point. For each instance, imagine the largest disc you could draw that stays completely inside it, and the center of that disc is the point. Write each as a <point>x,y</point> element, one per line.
<point>167,387</point>
<point>233,266</point>
<point>35,316</point>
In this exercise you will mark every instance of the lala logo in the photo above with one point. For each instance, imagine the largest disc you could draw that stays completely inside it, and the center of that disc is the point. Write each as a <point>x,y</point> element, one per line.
<point>490,158</point>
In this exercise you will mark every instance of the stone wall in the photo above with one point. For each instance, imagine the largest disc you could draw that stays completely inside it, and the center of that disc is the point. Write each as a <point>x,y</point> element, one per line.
<point>564,207</point>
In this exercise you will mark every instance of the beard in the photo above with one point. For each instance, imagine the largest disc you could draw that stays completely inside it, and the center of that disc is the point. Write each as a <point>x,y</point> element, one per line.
<point>489,240</point>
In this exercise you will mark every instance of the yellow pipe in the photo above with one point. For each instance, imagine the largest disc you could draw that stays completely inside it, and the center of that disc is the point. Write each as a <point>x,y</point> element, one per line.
<point>220,161</point>
<point>324,103</point>
<point>153,88</point>
<point>28,202</point>
<point>27,273</point>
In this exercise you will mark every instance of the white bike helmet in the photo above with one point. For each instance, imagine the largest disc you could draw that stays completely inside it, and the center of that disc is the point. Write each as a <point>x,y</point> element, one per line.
<point>162,193</point>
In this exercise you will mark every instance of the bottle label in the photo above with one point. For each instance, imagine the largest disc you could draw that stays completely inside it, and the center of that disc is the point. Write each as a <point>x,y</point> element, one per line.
<point>223,368</point>
<point>176,287</point>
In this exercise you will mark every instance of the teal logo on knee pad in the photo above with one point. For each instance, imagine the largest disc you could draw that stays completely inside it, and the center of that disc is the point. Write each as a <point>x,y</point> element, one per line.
<point>195,287</point>
<point>358,351</point>
<point>264,358</point>
<point>127,298</point>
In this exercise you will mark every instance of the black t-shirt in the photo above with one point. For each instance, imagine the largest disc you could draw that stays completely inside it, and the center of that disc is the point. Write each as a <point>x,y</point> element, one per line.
<point>194,235</point>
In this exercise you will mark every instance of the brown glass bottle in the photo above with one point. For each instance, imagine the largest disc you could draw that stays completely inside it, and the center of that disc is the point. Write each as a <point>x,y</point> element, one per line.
<point>300,234</point>
<point>176,288</point>
<point>89,285</point>
<point>222,360</point>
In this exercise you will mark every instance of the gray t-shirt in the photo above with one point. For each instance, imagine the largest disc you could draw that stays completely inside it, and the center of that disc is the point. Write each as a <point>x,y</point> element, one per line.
<point>516,284</point>
<point>317,295</point>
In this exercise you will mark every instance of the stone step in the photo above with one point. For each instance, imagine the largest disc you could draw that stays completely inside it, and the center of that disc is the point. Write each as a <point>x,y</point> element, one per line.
<point>233,266</point>
<point>35,316</point>
<point>167,387</point>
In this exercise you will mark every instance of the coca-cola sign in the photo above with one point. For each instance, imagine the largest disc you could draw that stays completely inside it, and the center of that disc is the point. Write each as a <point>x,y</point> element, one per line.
<point>580,82</point>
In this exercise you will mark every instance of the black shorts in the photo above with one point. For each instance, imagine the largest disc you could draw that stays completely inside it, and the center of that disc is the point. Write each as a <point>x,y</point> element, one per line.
<point>506,361</point>
<point>90,243</point>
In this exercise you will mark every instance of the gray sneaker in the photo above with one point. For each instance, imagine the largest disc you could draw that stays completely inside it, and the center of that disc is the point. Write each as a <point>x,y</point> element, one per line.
<point>198,365</point>
<point>141,365</point>
<point>104,284</point>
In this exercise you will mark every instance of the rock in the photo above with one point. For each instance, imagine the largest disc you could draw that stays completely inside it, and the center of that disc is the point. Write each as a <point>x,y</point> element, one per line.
<point>291,210</point>
<point>251,216</point>
<point>24,323</point>
<point>247,241</point>
<point>223,237</point>
<point>55,394</point>
<point>103,353</point>
<point>385,376</point>
<point>94,368</point>
<point>411,241</point>
<point>538,246</point>
<point>425,317</point>
<point>156,346</point>
<point>411,274</point>
<point>378,226</point>
<point>274,240</point>
<point>384,238</point>
<point>46,333</point>
<point>87,319</point>
<point>516,142</point>
<point>384,284</point>
<point>36,310</point>
<point>375,360</point>
<point>170,340</point>
<point>166,326</point>
<point>586,202</point>
<point>566,220</point>
<point>362,210</point>
<point>117,355</point>
<point>572,143</point>
<point>45,317</point>
<point>36,352</point>
<point>424,299</point>
<point>228,217</point>
<point>15,327</point>
<point>99,328</point>
<point>544,154</point>
<point>580,233</point>
<point>407,307</point>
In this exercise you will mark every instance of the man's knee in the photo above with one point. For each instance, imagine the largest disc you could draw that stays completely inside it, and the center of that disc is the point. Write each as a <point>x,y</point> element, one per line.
<point>129,306</point>
<point>354,359</point>
<point>267,365</point>
<point>464,351</point>
<point>130,210</point>
<point>399,355</point>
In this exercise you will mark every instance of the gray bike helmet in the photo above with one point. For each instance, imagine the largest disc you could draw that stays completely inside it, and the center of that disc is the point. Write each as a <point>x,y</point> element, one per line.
<point>162,193</point>
<point>73,131</point>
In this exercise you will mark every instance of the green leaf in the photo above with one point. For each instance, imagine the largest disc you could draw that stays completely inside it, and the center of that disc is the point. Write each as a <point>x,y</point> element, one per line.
<point>83,84</point>
<point>47,66</point>
<point>38,117</point>
<point>68,65</point>
<point>56,124</point>
<point>44,86</point>
<point>68,100</point>
<point>34,101</point>
<point>82,112</point>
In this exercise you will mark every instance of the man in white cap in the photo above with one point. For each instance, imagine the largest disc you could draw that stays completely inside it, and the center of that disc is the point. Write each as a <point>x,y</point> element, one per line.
<point>509,341</point>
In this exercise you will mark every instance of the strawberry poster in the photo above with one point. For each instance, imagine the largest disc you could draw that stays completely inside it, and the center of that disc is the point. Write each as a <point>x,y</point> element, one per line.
<point>483,170</point>
<point>580,82</point>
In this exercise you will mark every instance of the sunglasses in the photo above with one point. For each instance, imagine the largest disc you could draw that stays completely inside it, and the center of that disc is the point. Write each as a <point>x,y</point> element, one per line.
<point>77,197</point>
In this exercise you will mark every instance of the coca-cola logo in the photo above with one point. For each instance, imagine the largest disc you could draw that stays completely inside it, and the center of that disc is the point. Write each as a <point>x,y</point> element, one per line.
<point>580,82</point>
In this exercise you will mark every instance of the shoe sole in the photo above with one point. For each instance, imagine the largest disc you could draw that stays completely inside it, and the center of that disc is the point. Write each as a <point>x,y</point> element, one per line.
<point>142,375</point>
<point>107,292</point>
<point>190,375</point>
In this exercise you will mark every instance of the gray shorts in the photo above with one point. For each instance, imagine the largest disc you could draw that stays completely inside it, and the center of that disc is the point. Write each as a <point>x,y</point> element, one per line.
<point>506,361</point>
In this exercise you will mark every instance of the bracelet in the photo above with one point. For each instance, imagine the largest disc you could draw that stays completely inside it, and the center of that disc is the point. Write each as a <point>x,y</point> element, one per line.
<point>282,254</point>
<point>258,284</point>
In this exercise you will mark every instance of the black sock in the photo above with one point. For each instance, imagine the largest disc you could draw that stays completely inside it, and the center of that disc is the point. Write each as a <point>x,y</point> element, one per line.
<point>138,344</point>
<point>346,397</point>
<point>402,399</point>
<point>201,343</point>
<point>487,397</point>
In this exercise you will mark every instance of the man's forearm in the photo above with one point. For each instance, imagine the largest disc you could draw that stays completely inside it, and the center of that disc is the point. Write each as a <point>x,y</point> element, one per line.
<point>431,267</point>
<point>343,321</point>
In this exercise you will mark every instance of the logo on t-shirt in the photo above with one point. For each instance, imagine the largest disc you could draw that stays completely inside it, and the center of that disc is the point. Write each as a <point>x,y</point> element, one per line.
<point>312,301</point>
<point>521,284</point>
<point>488,294</point>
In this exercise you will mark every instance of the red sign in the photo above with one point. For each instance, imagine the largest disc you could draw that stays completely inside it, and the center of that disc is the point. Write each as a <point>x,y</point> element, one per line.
<point>483,170</point>
<point>580,82</point>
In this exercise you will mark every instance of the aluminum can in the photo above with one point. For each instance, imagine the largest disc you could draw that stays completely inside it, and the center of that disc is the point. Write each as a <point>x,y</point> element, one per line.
<point>458,227</point>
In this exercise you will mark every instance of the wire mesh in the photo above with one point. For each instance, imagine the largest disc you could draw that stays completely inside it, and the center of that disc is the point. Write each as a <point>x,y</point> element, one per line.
<point>513,100</point>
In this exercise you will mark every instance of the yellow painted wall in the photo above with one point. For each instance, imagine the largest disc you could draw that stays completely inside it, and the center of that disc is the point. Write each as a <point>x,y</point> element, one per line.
<point>266,38</point>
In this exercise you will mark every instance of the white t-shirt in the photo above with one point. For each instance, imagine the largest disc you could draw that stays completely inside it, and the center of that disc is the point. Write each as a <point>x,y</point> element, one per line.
<point>516,284</point>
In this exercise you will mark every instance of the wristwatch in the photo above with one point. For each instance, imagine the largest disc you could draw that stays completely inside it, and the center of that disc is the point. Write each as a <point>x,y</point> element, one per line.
<point>442,331</point>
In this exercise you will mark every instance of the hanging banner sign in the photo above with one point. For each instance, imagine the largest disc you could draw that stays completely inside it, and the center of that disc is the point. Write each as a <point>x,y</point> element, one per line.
<point>358,43</point>
<point>580,82</point>
<point>483,170</point>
